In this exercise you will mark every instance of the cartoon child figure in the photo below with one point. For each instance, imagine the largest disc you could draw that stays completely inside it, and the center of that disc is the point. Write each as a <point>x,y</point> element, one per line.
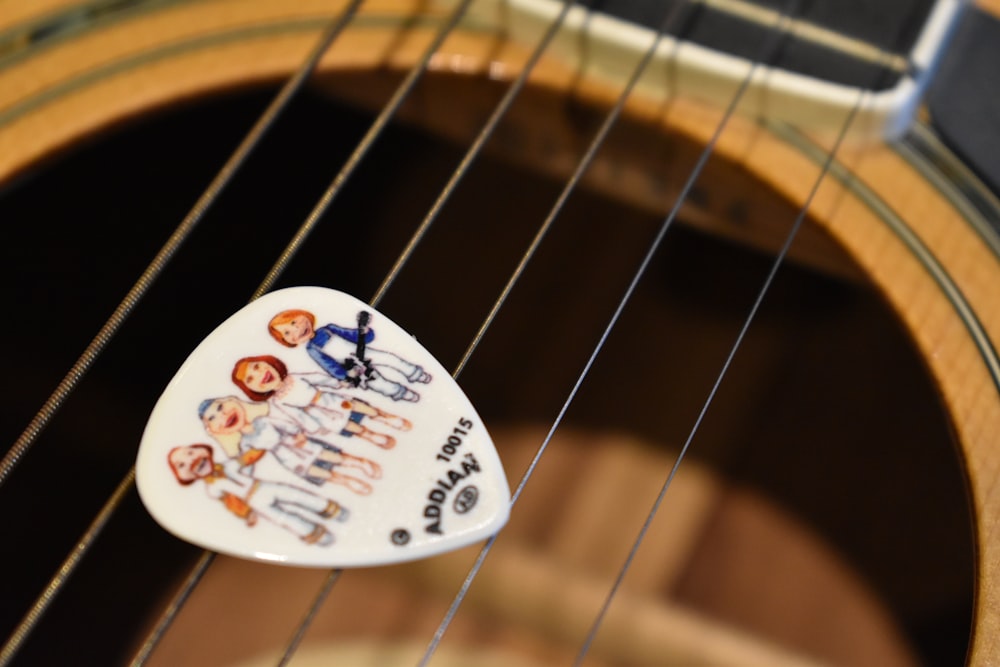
<point>250,498</point>
<point>313,400</point>
<point>336,349</point>
<point>240,426</point>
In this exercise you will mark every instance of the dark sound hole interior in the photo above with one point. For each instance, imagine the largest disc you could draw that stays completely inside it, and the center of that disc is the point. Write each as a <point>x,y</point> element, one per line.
<point>827,413</point>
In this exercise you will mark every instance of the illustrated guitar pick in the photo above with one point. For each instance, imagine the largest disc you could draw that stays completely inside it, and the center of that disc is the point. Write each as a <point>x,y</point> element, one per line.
<point>309,429</point>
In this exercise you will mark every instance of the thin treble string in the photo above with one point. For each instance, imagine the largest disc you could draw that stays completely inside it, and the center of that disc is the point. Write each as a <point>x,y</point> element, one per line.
<point>885,70</point>
<point>765,287</point>
<point>827,165</point>
<point>471,154</point>
<point>309,617</point>
<point>667,223</point>
<point>673,17</point>
<point>122,312</point>
<point>225,175</point>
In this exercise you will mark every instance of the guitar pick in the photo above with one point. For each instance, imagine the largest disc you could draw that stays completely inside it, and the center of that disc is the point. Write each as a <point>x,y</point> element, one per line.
<point>309,429</point>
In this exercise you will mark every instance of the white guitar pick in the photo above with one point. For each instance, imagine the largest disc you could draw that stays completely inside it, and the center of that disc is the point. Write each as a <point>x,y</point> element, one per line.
<point>309,429</point>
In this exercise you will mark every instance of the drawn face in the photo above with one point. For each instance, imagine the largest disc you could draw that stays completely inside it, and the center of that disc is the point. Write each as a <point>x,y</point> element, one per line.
<point>191,462</point>
<point>298,330</point>
<point>261,377</point>
<point>224,416</point>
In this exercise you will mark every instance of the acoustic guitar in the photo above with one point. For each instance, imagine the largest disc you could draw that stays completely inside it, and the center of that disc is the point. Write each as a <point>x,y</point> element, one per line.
<point>838,498</point>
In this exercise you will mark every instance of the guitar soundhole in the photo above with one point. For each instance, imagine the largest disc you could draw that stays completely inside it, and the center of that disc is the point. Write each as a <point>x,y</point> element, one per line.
<point>821,510</point>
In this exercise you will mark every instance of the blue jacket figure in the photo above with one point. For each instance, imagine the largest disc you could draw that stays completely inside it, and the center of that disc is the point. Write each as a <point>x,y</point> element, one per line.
<point>344,354</point>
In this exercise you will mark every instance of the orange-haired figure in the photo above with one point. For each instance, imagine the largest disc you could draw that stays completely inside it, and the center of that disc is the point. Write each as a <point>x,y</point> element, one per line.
<point>314,400</point>
<point>250,498</point>
<point>334,349</point>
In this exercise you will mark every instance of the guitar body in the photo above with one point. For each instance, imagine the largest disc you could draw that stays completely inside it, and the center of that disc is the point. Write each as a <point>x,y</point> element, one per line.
<point>892,282</point>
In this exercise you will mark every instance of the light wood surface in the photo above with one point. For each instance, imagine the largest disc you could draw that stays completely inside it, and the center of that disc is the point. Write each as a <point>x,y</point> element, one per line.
<point>992,6</point>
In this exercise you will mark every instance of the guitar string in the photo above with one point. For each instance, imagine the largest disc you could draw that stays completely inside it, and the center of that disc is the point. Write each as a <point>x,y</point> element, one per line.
<point>170,612</point>
<point>778,260</point>
<point>328,586</point>
<point>885,69</point>
<point>371,136</point>
<point>673,16</point>
<point>766,53</point>
<point>471,347</point>
<point>473,152</point>
<point>332,577</point>
<point>815,34</point>
<point>159,263</point>
<point>222,179</point>
<point>830,156</point>
<point>198,212</point>
<point>458,174</point>
<point>310,615</point>
<point>375,130</point>
<point>205,561</point>
<point>30,620</point>
<point>737,343</point>
<point>196,574</point>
